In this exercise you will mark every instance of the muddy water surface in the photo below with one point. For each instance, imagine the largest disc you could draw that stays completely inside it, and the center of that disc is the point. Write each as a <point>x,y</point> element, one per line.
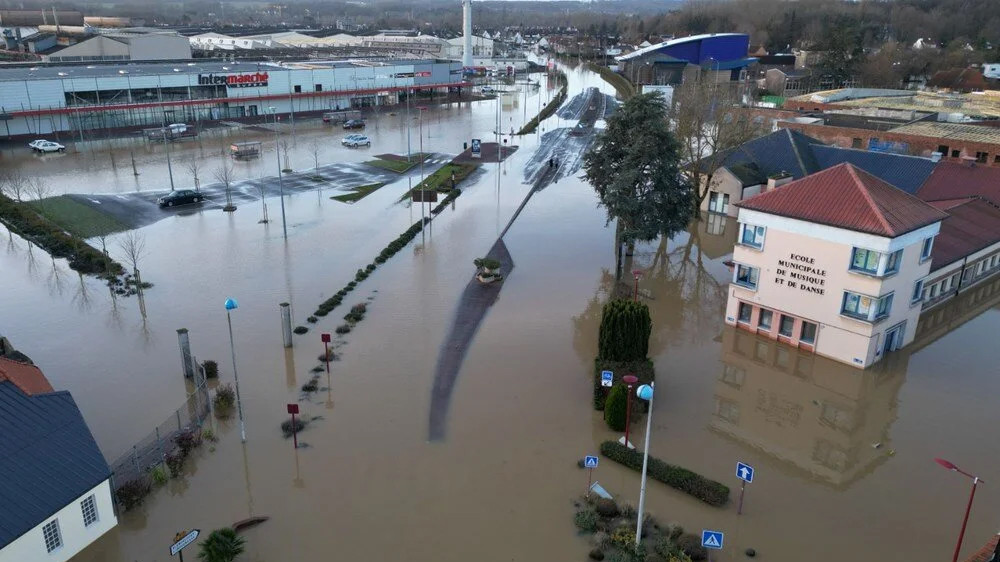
<point>843,457</point>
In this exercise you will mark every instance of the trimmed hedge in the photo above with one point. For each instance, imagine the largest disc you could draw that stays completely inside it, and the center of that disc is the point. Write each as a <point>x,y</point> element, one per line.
<point>549,108</point>
<point>642,369</point>
<point>709,491</point>
<point>22,219</point>
<point>624,332</point>
<point>623,86</point>
<point>617,404</point>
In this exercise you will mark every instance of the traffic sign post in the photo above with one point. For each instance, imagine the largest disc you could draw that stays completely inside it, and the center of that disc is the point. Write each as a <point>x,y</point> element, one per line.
<point>590,463</point>
<point>745,473</point>
<point>326,350</point>
<point>294,409</point>
<point>712,540</point>
<point>607,378</point>
<point>181,540</point>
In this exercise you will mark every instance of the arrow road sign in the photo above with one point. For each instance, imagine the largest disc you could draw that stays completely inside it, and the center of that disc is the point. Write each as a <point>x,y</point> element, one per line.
<point>712,539</point>
<point>589,462</point>
<point>607,378</point>
<point>744,472</point>
<point>182,541</point>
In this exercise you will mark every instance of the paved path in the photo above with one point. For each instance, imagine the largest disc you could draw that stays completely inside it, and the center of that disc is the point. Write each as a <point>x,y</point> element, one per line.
<point>477,298</point>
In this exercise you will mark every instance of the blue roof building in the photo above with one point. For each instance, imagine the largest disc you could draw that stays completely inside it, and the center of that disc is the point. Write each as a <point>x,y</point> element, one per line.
<point>667,63</point>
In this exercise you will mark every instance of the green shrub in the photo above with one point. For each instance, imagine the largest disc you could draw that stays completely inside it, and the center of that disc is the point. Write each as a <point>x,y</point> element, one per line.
<point>322,312</point>
<point>208,434</point>
<point>159,475</point>
<point>343,329</point>
<point>131,493</point>
<point>691,545</point>
<point>225,397</point>
<point>706,490</point>
<point>624,331</point>
<point>643,370</point>
<point>175,462</point>
<point>606,508</point>
<point>222,545</point>
<point>312,319</point>
<point>300,330</point>
<point>311,386</point>
<point>370,268</point>
<point>586,520</point>
<point>616,407</point>
<point>211,369</point>
<point>186,441</point>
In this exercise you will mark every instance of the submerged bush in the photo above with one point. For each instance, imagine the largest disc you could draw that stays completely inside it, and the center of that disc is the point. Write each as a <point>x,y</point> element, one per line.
<point>300,330</point>
<point>615,408</point>
<point>211,369</point>
<point>225,398</point>
<point>131,493</point>
<point>706,490</point>
<point>586,520</point>
<point>343,329</point>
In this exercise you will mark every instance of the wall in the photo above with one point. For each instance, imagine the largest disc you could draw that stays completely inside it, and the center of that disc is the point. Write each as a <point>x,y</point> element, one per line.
<point>723,181</point>
<point>918,145</point>
<point>75,537</point>
<point>829,250</point>
<point>159,47</point>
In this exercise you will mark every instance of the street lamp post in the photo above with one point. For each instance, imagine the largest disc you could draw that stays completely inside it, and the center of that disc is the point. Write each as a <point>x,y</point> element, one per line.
<point>422,186</point>
<point>281,185</point>
<point>635,294</point>
<point>644,392</point>
<point>231,305</point>
<point>975,482</point>
<point>629,381</point>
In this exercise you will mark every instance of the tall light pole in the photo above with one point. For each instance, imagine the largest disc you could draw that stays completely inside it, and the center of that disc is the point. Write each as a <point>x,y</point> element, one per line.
<point>231,304</point>
<point>637,273</point>
<point>422,186</point>
<point>644,392</point>
<point>163,132</point>
<point>281,184</point>
<point>975,481</point>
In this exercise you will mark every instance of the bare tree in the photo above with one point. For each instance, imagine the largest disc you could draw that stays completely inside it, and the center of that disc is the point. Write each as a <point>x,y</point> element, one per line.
<point>224,174</point>
<point>15,185</point>
<point>314,150</point>
<point>709,121</point>
<point>284,150</point>
<point>193,167</point>
<point>133,248</point>
<point>261,189</point>
<point>40,189</point>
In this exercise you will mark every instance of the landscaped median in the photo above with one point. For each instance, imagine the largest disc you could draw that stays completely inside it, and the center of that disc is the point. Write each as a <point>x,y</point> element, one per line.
<point>549,108</point>
<point>441,179</point>
<point>398,163</point>
<point>709,491</point>
<point>358,193</point>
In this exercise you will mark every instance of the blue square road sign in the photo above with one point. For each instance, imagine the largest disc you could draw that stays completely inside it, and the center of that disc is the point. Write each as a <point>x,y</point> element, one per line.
<point>590,461</point>
<point>712,539</point>
<point>744,472</point>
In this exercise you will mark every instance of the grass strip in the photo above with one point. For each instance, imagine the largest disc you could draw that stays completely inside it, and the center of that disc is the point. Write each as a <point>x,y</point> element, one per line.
<point>549,108</point>
<point>709,491</point>
<point>358,193</point>
<point>77,218</point>
<point>622,85</point>
<point>398,166</point>
<point>440,180</point>
<point>22,219</point>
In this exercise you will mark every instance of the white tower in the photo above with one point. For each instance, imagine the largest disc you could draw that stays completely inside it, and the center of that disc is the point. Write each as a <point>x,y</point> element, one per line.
<point>467,33</point>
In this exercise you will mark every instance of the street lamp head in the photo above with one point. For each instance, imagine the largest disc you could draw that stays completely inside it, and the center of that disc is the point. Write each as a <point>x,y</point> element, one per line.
<point>630,379</point>
<point>231,304</point>
<point>946,464</point>
<point>637,273</point>
<point>645,392</point>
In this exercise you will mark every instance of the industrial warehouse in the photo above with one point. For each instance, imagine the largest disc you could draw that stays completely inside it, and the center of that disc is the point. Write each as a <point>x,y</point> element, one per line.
<point>40,100</point>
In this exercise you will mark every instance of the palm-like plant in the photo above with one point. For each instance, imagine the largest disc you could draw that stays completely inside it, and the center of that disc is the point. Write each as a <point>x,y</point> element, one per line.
<point>222,545</point>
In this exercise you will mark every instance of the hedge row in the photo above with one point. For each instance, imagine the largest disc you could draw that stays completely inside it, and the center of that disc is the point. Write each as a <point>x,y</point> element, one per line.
<point>706,490</point>
<point>624,332</point>
<point>623,86</point>
<point>82,257</point>
<point>548,110</point>
<point>641,369</point>
<point>395,246</point>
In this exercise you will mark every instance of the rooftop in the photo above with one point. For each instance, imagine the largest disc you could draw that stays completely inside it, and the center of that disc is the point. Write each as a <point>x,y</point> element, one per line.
<point>25,376</point>
<point>846,197</point>
<point>976,104</point>
<point>48,458</point>
<point>952,180</point>
<point>680,41</point>
<point>956,131</point>
<point>972,225</point>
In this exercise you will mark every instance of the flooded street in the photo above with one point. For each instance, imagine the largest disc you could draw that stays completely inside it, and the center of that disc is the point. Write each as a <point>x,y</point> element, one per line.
<point>843,457</point>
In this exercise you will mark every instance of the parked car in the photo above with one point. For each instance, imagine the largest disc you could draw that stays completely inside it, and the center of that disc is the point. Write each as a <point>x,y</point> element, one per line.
<point>180,197</point>
<point>355,141</point>
<point>354,124</point>
<point>487,90</point>
<point>177,128</point>
<point>35,142</point>
<point>49,146</point>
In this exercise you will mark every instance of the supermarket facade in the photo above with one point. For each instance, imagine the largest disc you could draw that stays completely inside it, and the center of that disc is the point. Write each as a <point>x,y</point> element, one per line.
<point>41,100</point>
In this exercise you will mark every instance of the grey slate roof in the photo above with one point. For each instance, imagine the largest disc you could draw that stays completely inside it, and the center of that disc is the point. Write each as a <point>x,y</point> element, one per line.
<point>903,171</point>
<point>800,155</point>
<point>48,458</point>
<point>748,174</point>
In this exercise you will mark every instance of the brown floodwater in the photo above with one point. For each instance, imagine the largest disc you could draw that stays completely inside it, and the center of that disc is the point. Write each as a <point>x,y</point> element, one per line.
<point>843,457</point>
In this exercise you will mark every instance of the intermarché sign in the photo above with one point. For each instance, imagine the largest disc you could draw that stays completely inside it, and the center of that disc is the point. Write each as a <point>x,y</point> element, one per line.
<point>233,80</point>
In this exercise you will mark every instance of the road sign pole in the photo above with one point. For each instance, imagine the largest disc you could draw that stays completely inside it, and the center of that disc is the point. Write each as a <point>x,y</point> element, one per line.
<point>326,356</point>
<point>180,556</point>
<point>743,487</point>
<point>590,479</point>
<point>295,441</point>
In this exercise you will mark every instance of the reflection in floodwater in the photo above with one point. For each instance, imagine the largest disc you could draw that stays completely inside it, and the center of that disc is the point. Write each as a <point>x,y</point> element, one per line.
<point>819,416</point>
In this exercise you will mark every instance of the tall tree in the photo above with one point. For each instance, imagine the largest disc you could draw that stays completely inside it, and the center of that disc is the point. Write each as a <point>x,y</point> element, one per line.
<point>844,50</point>
<point>634,166</point>
<point>709,121</point>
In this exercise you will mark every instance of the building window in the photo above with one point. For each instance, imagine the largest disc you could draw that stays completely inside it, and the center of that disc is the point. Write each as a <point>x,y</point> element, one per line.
<point>918,290</point>
<point>892,263</point>
<point>746,276</point>
<point>954,280</point>
<point>943,149</point>
<point>982,157</point>
<point>298,89</point>
<point>786,326</point>
<point>89,508</point>
<point>718,202</point>
<point>866,308</point>
<point>753,236</point>
<point>925,250</point>
<point>996,159</point>
<point>856,143</point>
<point>764,323</point>
<point>865,261</point>
<point>934,290</point>
<point>808,333</point>
<point>956,153</point>
<point>53,539</point>
<point>745,311</point>
<point>319,87</point>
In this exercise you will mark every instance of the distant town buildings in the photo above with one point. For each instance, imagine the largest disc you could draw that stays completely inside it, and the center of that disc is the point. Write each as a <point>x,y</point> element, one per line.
<point>56,484</point>
<point>721,57</point>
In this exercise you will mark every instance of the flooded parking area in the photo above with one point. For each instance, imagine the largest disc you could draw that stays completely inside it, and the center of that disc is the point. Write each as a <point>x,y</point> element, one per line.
<point>843,457</point>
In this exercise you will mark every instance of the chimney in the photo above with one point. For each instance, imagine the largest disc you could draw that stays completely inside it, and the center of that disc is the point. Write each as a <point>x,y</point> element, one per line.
<point>936,156</point>
<point>777,180</point>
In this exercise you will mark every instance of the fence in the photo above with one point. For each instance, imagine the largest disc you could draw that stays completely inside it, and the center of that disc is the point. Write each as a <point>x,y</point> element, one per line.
<point>136,464</point>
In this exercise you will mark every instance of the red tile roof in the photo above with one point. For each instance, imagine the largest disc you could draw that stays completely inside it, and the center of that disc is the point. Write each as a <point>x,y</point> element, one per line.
<point>951,180</point>
<point>847,197</point>
<point>971,226</point>
<point>25,376</point>
<point>985,554</point>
